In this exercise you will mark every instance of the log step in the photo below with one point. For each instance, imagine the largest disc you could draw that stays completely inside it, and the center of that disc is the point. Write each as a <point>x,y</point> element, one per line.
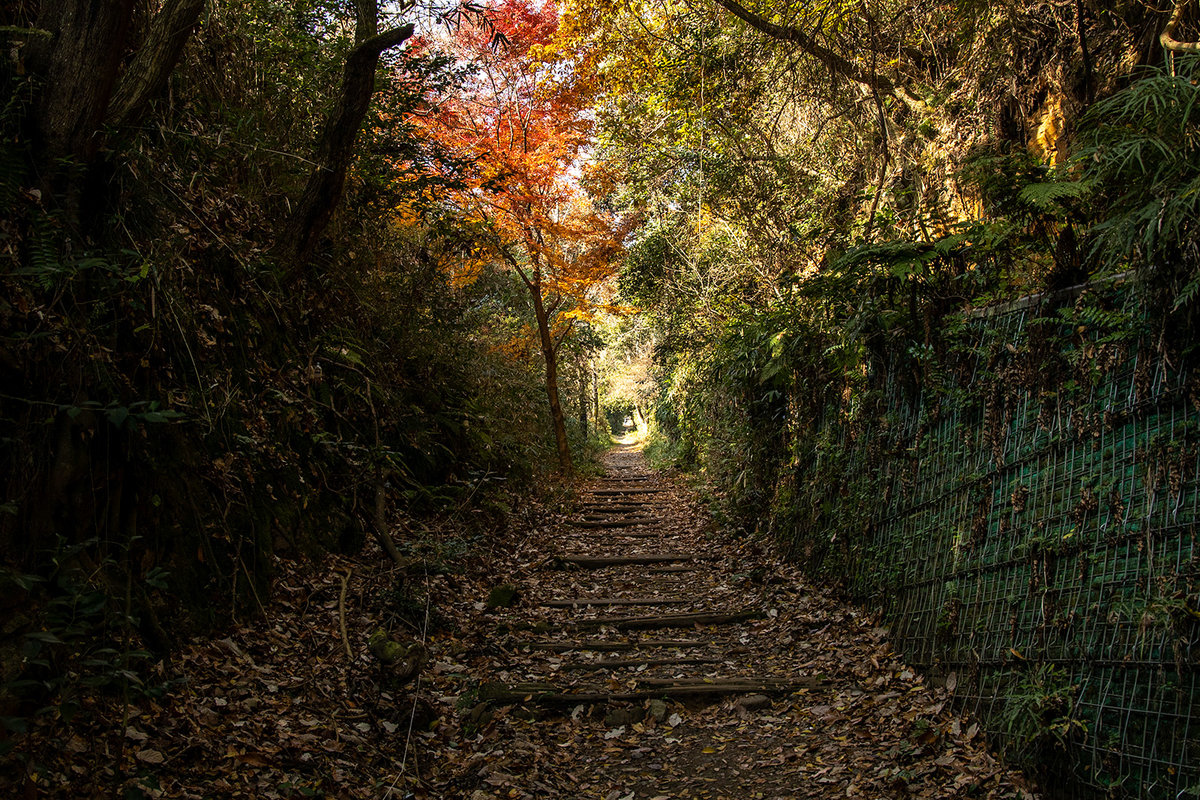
<point>618,492</point>
<point>615,523</point>
<point>621,663</point>
<point>613,601</point>
<point>626,509</point>
<point>618,499</point>
<point>683,620</point>
<point>751,683</point>
<point>601,646</point>
<point>545,694</point>
<point>596,562</point>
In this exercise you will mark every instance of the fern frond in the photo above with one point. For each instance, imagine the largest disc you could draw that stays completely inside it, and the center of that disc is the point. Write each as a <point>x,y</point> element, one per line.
<point>1046,196</point>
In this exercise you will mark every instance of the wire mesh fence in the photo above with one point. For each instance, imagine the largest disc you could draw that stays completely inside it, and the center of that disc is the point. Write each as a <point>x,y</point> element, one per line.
<point>1030,531</point>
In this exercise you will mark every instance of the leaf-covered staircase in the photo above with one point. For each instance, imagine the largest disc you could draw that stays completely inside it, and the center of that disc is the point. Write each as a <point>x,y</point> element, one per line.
<point>640,569</point>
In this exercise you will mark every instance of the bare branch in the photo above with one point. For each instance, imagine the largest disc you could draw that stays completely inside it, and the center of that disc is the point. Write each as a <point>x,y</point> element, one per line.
<point>1168,40</point>
<point>832,61</point>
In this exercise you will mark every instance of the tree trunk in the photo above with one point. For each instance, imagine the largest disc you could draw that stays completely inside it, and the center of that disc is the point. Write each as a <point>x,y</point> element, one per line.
<point>583,396</point>
<point>150,69</point>
<point>77,66</point>
<point>303,227</point>
<point>548,351</point>
<point>596,394</point>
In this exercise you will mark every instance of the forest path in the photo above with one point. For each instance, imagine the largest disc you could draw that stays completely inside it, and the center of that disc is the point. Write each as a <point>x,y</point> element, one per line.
<point>655,659</point>
<point>626,650</point>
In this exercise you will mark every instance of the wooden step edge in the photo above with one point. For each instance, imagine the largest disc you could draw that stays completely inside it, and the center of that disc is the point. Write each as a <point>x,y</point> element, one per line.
<point>626,509</point>
<point>752,682</point>
<point>549,695</point>
<point>599,646</point>
<point>617,523</point>
<point>622,663</point>
<point>592,515</point>
<point>609,502</point>
<point>682,620</point>
<point>572,602</point>
<point>596,562</point>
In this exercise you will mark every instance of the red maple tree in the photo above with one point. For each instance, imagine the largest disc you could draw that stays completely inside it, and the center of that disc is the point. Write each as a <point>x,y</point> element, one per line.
<point>523,120</point>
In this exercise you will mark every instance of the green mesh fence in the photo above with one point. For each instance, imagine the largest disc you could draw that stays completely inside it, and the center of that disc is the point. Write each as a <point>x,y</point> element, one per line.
<point>1032,535</point>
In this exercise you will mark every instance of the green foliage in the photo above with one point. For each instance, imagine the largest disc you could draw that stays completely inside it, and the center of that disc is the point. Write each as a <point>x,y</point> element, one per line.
<point>645,266</point>
<point>1141,155</point>
<point>202,419</point>
<point>1039,718</point>
<point>1052,196</point>
<point>1010,182</point>
<point>87,643</point>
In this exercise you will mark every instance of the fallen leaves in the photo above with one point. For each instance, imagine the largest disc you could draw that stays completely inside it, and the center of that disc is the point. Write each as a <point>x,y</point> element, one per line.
<point>273,709</point>
<point>150,756</point>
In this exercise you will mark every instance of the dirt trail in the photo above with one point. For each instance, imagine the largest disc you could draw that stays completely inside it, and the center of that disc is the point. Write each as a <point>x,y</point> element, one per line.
<point>645,655</point>
<point>672,664</point>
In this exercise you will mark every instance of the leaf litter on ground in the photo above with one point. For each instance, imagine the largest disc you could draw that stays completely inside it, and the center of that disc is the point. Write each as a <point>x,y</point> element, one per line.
<point>275,709</point>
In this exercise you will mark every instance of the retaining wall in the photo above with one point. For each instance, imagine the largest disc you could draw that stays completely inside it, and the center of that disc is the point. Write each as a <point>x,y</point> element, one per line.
<point>1030,531</point>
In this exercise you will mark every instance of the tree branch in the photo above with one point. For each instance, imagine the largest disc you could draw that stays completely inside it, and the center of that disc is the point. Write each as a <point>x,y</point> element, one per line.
<point>562,336</point>
<point>1168,40</point>
<point>832,61</point>
<point>512,262</point>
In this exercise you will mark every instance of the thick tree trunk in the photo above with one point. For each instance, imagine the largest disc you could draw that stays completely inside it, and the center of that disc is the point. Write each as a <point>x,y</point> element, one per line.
<point>548,350</point>
<point>303,228</point>
<point>147,74</point>
<point>77,66</point>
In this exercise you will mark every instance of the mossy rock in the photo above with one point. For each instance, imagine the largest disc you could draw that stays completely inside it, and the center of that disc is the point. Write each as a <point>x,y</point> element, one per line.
<point>624,716</point>
<point>503,596</point>
<point>402,662</point>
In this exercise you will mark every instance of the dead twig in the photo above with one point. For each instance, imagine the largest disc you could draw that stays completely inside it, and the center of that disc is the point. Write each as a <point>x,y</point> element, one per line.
<point>342,614</point>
